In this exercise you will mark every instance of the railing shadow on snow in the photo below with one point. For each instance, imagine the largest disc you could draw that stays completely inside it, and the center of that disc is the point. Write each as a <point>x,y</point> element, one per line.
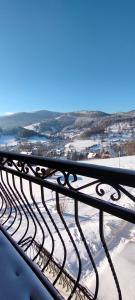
<point>55,210</point>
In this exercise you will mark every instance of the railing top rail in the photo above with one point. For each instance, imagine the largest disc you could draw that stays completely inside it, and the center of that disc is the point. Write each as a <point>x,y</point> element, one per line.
<point>103,173</point>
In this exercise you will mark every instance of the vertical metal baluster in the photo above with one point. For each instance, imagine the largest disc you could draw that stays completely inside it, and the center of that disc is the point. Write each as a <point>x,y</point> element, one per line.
<point>28,207</point>
<point>74,245</point>
<point>15,200</point>
<point>4,206</point>
<point>87,249</point>
<point>8,208</point>
<point>50,233</point>
<point>101,231</point>
<point>2,201</point>
<point>44,222</point>
<point>10,201</point>
<point>36,216</point>
<point>61,239</point>
<point>20,200</point>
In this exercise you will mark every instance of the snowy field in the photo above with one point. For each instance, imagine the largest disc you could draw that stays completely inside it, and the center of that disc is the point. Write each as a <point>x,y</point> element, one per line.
<point>82,144</point>
<point>118,233</point>
<point>125,162</point>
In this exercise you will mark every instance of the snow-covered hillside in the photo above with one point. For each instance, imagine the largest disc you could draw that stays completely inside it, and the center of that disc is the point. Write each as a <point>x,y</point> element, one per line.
<point>32,126</point>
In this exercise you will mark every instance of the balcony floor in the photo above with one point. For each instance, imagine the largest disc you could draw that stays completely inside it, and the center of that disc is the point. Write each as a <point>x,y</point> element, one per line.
<point>17,280</point>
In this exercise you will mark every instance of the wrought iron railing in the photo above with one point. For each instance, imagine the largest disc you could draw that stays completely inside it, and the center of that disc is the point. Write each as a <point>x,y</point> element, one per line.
<point>58,212</point>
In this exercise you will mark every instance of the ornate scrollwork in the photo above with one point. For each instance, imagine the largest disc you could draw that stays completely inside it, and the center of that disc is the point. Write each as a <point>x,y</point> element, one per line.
<point>40,172</point>
<point>20,166</point>
<point>101,192</point>
<point>72,180</point>
<point>61,180</point>
<point>66,179</point>
<point>25,168</point>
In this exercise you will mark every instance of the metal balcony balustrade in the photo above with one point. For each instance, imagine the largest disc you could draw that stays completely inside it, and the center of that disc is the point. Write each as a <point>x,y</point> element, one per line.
<point>44,206</point>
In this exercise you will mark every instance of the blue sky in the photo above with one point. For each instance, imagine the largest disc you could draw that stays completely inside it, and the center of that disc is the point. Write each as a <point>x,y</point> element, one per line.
<point>66,55</point>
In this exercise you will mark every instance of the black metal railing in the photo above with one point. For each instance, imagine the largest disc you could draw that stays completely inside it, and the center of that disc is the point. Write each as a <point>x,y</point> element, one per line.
<point>66,216</point>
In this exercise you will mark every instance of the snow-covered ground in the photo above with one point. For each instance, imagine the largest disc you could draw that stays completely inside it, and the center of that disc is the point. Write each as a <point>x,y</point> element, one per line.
<point>124,162</point>
<point>118,233</point>
<point>81,144</point>
<point>32,126</point>
<point>124,263</point>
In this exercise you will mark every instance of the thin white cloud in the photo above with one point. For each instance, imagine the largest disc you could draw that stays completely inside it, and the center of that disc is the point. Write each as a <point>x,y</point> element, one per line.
<point>8,113</point>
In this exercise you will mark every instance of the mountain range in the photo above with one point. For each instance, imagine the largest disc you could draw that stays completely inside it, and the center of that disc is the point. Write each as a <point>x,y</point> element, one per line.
<point>47,121</point>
